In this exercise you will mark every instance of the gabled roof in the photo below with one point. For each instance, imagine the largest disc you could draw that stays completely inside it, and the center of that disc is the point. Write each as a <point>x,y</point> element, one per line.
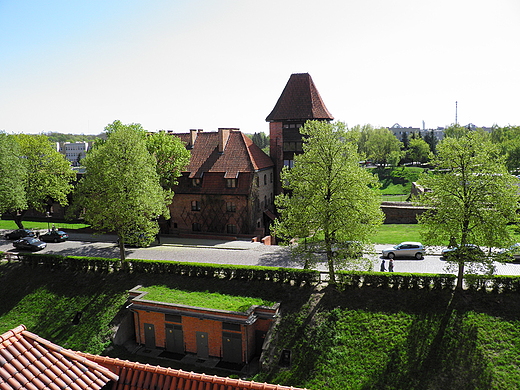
<point>138,376</point>
<point>239,154</point>
<point>28,361</point>
<point>300,100</point>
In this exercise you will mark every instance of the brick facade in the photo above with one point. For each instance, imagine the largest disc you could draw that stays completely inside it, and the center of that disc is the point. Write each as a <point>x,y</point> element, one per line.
<point>232,336</point>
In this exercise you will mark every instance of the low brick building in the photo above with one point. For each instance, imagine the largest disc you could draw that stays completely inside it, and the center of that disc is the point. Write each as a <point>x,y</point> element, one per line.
<point>234,337</point>
<point>227,187</point>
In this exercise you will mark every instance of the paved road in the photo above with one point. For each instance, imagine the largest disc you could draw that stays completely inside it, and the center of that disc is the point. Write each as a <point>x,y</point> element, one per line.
<point>229,252</point>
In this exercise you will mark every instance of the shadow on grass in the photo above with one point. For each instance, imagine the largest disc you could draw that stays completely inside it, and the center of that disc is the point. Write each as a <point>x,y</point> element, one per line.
<point>440,352</point>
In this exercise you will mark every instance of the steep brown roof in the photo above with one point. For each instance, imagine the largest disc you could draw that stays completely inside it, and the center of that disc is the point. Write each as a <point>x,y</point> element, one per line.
<point>28,361</point>
<point>300,100</point>
<point>239,154</point>
<point>138,376</point>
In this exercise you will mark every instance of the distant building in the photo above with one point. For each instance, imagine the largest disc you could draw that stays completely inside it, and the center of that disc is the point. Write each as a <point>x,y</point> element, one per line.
<point>74,151</point>
<point>299,102</point>
<point>227,188</point>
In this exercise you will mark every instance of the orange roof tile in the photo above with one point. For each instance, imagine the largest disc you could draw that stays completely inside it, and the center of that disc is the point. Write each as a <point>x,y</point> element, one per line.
<point>28,361</point>
<point>138,376</point>
<point>300,100</point>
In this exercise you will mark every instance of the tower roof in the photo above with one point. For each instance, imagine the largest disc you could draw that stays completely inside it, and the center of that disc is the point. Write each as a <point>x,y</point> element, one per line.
<point>300,100</point>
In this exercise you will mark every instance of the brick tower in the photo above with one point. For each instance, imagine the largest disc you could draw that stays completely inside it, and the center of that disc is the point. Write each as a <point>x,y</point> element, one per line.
<point>299,102</point>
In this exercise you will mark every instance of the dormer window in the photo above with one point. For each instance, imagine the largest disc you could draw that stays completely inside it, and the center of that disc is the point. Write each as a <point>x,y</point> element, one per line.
<point>231,183</point>
<point>196,182</point>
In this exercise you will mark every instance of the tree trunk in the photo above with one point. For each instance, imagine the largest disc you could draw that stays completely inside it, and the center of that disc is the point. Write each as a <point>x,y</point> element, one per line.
<point>18,217</point>
<point>122,254</point>
<point>460,276</point>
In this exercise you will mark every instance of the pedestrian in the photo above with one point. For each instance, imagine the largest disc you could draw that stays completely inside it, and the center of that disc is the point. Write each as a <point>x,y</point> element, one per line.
<point>38,235</point>
<point>383,269</point>
<point>391,266</point>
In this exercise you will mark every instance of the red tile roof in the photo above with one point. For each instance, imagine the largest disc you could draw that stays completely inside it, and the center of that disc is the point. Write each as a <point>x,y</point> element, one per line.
<point>240,154</point>
<point>138,376</point>
<point>28,361</point>
<point>300,100</point>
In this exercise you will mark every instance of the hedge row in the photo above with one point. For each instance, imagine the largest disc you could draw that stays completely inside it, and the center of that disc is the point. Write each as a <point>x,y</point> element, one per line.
<point>292,276</point>
<point>396,280</point>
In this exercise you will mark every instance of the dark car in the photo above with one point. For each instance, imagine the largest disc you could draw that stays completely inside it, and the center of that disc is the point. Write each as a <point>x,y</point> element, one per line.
<point>468,250</point>
<point>19,233</point>
<point>54,236</point>
<point>29,243</point>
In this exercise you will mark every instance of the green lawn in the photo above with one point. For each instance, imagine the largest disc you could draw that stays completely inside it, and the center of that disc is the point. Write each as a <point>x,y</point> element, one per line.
<point>202,298</point>
<point>10,225</point>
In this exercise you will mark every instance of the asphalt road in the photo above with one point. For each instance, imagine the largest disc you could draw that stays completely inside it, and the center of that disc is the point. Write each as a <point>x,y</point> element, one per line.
<point>229,252</point>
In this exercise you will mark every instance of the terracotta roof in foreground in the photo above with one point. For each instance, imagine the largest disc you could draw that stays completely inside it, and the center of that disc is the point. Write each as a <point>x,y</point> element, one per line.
<point>300,100</point>
<point>138,376</point>
<point>28,361</point>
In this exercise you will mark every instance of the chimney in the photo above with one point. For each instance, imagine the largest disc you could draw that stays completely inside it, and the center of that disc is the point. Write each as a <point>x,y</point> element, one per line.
<point>193,137</point>
<point>223,135</point>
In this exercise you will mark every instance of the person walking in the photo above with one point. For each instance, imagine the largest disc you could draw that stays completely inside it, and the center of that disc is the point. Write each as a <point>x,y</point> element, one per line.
<point>383,268</point>
<point>391,265</point>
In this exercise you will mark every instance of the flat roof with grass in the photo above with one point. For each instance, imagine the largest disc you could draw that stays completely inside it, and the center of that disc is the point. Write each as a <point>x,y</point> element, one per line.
<point>210,300</point>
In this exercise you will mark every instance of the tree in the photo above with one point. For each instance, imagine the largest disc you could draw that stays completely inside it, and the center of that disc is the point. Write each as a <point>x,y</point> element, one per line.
<point>378,144</point>
<point>471,199</point>
<point>328,195</point>
<point>431,140</point>
<point>121,190</point>
<point>49,175</point>
<point>261,140</point>
<point>418,150</point>
<point>13,175</point>
<point>171,157</point>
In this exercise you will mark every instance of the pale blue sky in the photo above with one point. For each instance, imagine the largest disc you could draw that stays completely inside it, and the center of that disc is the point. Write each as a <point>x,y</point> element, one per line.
<point>75,66</point>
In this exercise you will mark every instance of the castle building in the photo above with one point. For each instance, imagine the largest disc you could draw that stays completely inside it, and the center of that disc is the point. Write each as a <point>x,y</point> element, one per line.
<point>227,187</point>
<point>299,102</point>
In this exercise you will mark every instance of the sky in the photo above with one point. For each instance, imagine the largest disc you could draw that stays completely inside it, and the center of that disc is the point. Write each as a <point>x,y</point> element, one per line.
<point>74,66</point>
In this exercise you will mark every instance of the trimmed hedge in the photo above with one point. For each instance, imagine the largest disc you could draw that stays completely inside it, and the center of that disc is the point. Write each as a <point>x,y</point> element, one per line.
<point>396,280</point>
<point>292,276</point>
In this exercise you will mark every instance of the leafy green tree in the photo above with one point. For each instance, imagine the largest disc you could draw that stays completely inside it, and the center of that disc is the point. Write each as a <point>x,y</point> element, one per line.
<point>171,157</point>
<point>49,175</point>
<point>377,144</point>
<point>261,140</point>
<point>13,175</point>
<point>508,139</point>
<point>418,150</point>
<point>471,199</point>
<point>121,190</point>
<point>431,140</point>
<point>328,197</point>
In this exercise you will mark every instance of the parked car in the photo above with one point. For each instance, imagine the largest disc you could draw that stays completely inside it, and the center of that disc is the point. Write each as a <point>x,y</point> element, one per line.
<point>29,243</point>
<point>511,254</point>
<point>19,233</point>
<point>405,249</point>
<point>54,236</point>
<point>469,250</point>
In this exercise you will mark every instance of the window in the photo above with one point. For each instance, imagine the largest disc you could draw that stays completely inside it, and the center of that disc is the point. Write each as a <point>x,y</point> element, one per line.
<point>265,180</point>
<point>197,182</point>
<point>231,207</point>
<point>195,205</point>
<point>196,227</point>
<point>231,183</point>
<point>257,181</point>
<point>288,163</point>
<point>231,229</point>
<point>173,318</point>
<point>229,326</point>
<point>271,177</point>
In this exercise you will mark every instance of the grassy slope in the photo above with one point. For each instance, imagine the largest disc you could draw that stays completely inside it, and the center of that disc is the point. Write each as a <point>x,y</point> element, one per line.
<point>382,339</point>
<point>356,339</point>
